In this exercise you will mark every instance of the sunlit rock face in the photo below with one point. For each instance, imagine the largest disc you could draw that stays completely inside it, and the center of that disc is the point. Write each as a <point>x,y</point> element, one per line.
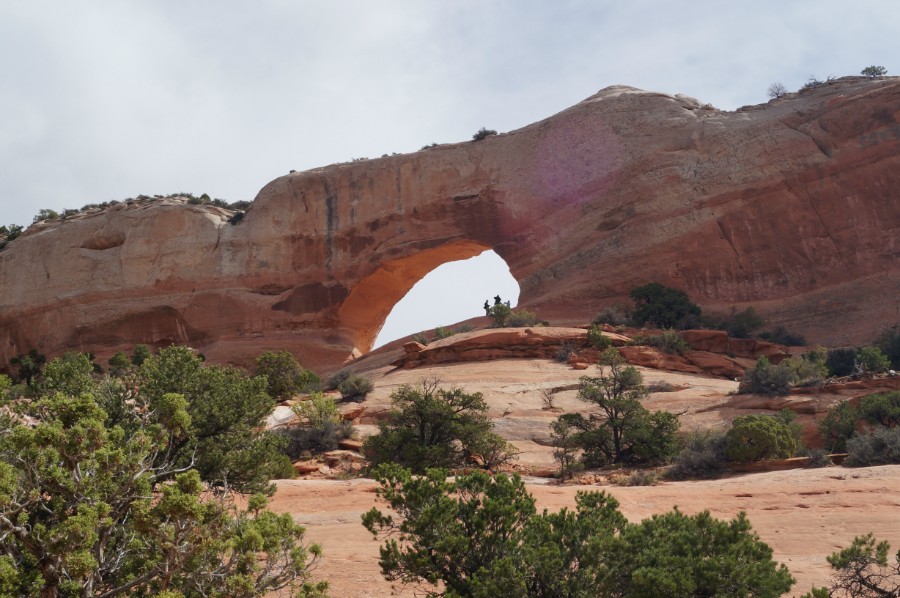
<point>792,207</point>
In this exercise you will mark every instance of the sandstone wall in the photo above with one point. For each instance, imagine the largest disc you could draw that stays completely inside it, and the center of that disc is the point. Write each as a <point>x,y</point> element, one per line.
<point>791,207</point>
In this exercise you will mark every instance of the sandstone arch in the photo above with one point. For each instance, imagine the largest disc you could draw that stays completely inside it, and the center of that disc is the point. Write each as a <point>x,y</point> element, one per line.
<point>790,207</point>
<point>371,300</point>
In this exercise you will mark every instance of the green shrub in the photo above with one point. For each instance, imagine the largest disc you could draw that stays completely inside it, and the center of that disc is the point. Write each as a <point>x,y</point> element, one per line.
<point>870,361</point>
<point>119,364</point>
<point>702,456</point>
<point>641,477</point>
<point>477,535</point>
<point>483,133</point>
<point>420,338</point>
<point>838,426</point>
<point>355,388</point>
<point>841,362</point>
<point>520,318</point>
<point>565,351</point>
<point>817,458</point>
<point>284,375</point>
<point>879,446</point>
<point>661,386</point>
<point>432,427</point>
<point>765,378</point>
<point>499,312</point>
<point>597,339</point>
<point>623,431</point>
<point>862,570</point>
<point>320,429</point>
<point>612,315</point>
<point>335,380</point>
<point>809,369</point>
<point>889,343</point>
<point>873,71</point>
<point>566,448</point>
<point>842,420</point>
<point>782,336</point>
<point>668,342</point>
<point>758,437</point>
<point>663,306</point>
<point>139,354</point>
<point>442,332</point>
<point>742,324</point>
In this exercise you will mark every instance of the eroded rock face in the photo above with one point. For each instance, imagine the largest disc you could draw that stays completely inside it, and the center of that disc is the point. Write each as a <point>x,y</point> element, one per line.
<point>791,207</point>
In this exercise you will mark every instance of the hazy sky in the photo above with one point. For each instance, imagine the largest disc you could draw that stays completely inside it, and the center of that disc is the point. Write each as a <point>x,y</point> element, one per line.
<point>108,99</point>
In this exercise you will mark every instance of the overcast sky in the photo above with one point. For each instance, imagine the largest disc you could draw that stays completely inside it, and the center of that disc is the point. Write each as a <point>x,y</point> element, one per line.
<point>106,100</point>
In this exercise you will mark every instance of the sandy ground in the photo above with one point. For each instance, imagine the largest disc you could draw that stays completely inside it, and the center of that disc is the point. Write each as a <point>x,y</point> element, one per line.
<point>803,515</point>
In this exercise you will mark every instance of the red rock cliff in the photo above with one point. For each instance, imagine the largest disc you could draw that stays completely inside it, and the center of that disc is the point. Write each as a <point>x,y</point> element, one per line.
<point>791,207</point>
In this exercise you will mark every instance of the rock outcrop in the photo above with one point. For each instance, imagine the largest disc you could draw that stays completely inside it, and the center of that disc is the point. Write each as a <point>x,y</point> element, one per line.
<point>790,207</point>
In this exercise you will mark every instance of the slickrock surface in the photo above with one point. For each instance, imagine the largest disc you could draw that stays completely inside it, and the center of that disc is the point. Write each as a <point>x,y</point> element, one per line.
<point>791,207</point>
<point>804,515</point>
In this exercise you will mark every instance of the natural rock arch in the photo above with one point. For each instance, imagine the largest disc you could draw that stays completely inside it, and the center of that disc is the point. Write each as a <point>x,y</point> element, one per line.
<point>371,300</point>
<point>791,207</point>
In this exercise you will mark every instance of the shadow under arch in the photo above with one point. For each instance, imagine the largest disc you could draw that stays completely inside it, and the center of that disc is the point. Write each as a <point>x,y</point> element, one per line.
<point>364,311</point>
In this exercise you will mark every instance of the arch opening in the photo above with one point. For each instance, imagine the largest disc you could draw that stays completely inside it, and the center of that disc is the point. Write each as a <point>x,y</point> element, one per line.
<point>435,287</point>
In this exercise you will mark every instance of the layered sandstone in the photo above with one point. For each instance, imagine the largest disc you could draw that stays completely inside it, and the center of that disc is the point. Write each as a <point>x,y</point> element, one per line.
<point>790,207</point>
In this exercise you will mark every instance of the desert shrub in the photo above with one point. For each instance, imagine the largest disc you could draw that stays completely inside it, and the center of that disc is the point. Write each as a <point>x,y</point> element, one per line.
<point>483,133</point>
<point>236,218</point>
<point>765,378</point>
<point>566,448</point>
<point>809,369</point>
<point>89,506</point>
<point>702,456</point>
<point>335,379</point>
<point>564,352</point>
<point>838,426</point>
<point>870,360</point>
<point>429,426</point>
<point>355,388</point>
<point>783,336</point>
<point>862,570</point>
<point>140,354</point>
<point>758,437</point>
<point>889,343</point>
<point>623,431</point>
<point>663,306</point>
<point>776,90</point>
<point>320,429</point>
<point>842,420</point>
<point>841,362</point>
<point>873,71</point>
<point>519,318</point>
<point>641,477</point>
<point>477,535</point>
<point>499,312</point>
<point>420,338</point>
<point>741,324</point>
<point>119,364</point>
<point>45,214</point>
<point>878,446</point>
<point>284,375</point>
<point>661,386</point>
<point>597,339</point>
<point>28,366</point>
<point>442,332</point>
<point>668,342</point>
<point>612,315</point>
<point>817,458</point>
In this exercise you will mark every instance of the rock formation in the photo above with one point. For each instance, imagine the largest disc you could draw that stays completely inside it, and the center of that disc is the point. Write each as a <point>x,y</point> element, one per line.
<point>790,207</point>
